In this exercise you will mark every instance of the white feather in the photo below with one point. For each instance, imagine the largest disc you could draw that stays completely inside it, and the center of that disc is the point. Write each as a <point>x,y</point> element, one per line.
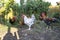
<point>29,21</point>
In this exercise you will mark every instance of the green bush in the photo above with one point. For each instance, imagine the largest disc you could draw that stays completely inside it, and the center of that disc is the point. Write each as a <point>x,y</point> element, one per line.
<point>57,15</point>
<point>35,6</point>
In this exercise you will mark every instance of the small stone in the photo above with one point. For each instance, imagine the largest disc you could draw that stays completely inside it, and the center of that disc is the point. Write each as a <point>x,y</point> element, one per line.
<point>25,34</point>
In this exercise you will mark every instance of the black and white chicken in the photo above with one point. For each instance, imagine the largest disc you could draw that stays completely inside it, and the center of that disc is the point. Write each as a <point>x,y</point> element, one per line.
<point>29,21</point>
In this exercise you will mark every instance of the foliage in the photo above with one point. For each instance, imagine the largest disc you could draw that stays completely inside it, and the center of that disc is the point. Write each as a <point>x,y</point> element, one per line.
<point>9,9</point>
<point>35,6</point>
<point>58,3</point>
<point>31,6</point>
<point>53,10</point>
<point>57,15</point>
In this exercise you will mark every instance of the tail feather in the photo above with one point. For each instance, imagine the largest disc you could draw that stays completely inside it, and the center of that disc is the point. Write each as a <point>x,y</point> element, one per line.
<point>33,17</point>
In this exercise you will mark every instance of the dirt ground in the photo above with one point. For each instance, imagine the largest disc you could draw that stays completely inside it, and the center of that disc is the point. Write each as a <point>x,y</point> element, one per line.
<point>37,32</point>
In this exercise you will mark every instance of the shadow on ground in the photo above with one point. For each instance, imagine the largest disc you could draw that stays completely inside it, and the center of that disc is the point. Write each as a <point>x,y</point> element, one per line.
<point>9,35</point>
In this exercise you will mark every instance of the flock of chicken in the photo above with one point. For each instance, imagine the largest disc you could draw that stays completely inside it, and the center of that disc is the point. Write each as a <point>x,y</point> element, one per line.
<point>29,21</point>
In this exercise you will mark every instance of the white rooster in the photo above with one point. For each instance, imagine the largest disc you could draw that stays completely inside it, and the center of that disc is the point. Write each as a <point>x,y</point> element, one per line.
<point>29,21</point>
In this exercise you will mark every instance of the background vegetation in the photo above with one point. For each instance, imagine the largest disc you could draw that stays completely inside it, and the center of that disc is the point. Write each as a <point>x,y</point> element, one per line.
<point>10,8</point>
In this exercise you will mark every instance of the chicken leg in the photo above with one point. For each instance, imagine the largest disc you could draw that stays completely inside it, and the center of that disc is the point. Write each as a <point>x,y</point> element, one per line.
<point>29,27</point>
